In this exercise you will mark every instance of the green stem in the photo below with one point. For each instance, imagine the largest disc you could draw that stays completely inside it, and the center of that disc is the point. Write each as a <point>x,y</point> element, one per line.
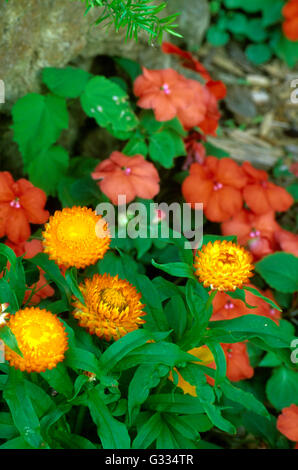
<point>211,297</point>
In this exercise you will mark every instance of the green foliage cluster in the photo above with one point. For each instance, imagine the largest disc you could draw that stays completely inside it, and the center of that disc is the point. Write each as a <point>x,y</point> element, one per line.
<point>257,24</point>
<point>135,15</point>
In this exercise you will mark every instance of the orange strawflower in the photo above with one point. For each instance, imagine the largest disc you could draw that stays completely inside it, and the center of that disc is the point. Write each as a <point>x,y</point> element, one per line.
<point>261,195</point>
<point>112,307</point>
<point>205,357</point>
<point>287,423</point>
<point>76,236</point>
<point>41,338</point>
<point>130,176</point>
<point>290,25</point>
<point>217,185</point>
<point>21,203</point>
<point>223,265</point>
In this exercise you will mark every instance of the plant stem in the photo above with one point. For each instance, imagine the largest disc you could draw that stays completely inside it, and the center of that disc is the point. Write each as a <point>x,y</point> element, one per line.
<point>80,420</point>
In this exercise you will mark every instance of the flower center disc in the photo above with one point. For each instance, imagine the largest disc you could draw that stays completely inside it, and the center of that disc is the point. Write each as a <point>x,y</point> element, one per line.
<point>228,258</point>
<point>114,298</point>
<point>73,231</point>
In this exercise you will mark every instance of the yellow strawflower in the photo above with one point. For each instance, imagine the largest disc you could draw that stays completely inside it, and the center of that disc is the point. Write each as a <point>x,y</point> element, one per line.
<point>76,236</point>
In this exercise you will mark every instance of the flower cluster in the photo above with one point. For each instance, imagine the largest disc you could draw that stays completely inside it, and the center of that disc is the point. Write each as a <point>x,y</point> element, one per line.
<point>244,200</point>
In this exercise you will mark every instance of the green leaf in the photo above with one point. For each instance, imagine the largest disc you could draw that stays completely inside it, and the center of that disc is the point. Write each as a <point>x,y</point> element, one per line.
<point>7,428</point>
<point>287,50</point>
<point>107,103</point>
<point>217,37</point>
<point>73,441</point>
<point>72,281</point>
<point>176,269</point>
<point>118,350</point>
<point>217,419</point>
<point>174,403</point>
<point>68,82</point>
<point>148,433</point>
<point>272,13</point>
<point>136,145</point>
<point>113,433</point>
<point>293,190</point>
<point>146,376</point>
<point>249,327</point>
<point>53,273</point>
<point>21,408</point>
<point>258,53</point>
<point>9,339</point>
<point>237,23</point>
<point>164,146</point>
<point>37,123</point>
<point>132,68</point>
<point>269,269</point>
<point>282,388</point>
<point>15,277</point>
<point>167,354</point>
<point>78,358</point>
<point>176,314</point>
<point>255,30</point>
<point>59,379</point>
<point>47,169</point>
<point>258,294</point>
<point>246,399</point>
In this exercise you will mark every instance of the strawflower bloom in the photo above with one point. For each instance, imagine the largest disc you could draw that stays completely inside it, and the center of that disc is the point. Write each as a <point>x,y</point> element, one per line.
<point>130,176</point>
<point>261,195</point>
<point>41,338</point>
<point>290,25</point>
<point>21,203</point>
<point>223,265</point>
<point>112,307</point>
<point>287,423</point>
<point>217,184</point>
<point>76,236</point>
<point>205,357</point>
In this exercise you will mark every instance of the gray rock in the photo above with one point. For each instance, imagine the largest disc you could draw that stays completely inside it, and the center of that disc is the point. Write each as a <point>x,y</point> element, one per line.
<point>53,33</point>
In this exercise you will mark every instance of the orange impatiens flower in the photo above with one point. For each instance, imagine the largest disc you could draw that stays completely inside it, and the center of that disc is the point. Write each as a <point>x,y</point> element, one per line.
<point>205,357</point>
<point>21,203</point>
<point>172,95</point>
<point>217,184</point>
<point>41,338</point>
<point>261,195</point>
<point>290,25</point>
<point>112,307</point>
<point>41,288</point>
<point>256,232</point>
<point>223,265</point>
<point>238,365</point>
<point>121,175</point>
<point>76,236</point>
<point>287,423</point>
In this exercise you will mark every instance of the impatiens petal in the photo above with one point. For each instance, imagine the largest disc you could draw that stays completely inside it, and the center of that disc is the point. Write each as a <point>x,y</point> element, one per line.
<point>239,226</point>
<point>33,202</point>
<point>17,228</point>
<point>253,173</point>
<point>287,422</point>
<point>279,199</point>
<point>196,190</point>
<point>229,173</point>
<point>145,188</point>
<point>4,215</point>
<point>255,197</point>
<point>118,185</point>
<point>230,200</point>
<point>214,210</point>
<point>288,241</point>
<point>6,187</point>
